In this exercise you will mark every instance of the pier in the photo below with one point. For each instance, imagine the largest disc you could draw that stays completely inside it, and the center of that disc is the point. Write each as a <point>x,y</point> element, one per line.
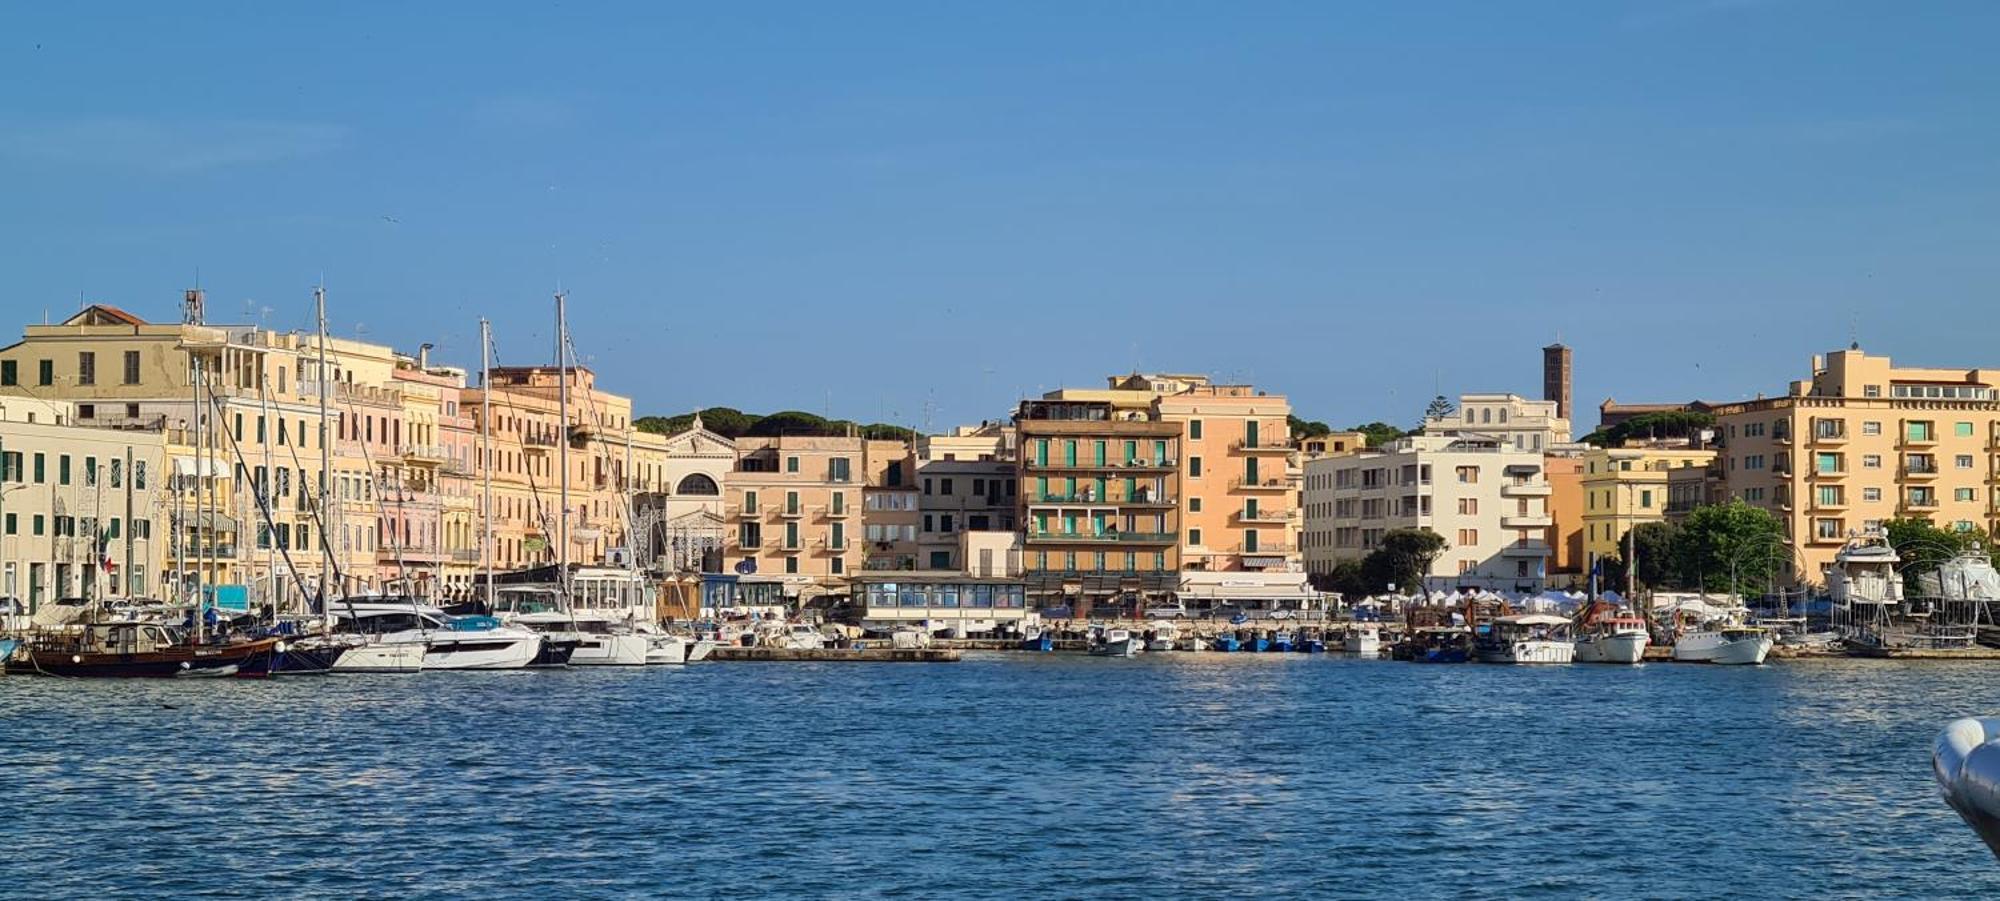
<point>839,655</point>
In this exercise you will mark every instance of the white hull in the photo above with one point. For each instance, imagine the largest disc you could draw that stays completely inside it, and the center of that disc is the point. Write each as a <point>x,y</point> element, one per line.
<point>500,649</point>
<point>1712,647</point>
<point>1532,650</point>
<point>611,649</point>
<point>1620,648</point>
<point>1123,647</point>
<point>670,650</point>
<point>382,657</point>
<point>1160,644</point>
<point>1367,644</point>
<point>700,649</point>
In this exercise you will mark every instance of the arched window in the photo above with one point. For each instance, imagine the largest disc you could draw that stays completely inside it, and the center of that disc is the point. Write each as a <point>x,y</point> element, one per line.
<point>697,484</point>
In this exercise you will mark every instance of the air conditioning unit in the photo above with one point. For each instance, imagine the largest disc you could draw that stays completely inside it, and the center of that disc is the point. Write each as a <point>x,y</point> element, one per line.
<point>618,556</point>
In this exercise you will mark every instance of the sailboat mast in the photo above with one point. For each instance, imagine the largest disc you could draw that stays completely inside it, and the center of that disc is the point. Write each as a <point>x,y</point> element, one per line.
<point>487,463</point>
<point>200,462</point>
<point>562,438</point>
<point>325,455</point>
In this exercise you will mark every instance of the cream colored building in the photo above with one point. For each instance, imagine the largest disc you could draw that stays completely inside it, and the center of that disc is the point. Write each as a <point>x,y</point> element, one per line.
<point>1624,487</point>
<point>812,510</point>
<point>1487,499</point>
<point>968,484</point>
<point>1513,420</point>
<point>1863,441</point>
<point>683,511</point>
<point>84,511</point>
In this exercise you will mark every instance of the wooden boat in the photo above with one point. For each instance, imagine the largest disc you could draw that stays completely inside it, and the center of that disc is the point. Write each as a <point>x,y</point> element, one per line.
<point>142,650</point>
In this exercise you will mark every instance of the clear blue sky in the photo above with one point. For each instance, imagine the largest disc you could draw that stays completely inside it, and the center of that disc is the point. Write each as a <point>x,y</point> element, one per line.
<point>875,208</point>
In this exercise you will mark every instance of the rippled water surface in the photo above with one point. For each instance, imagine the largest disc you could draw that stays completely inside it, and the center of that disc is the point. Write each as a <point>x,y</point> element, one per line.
<point>1002,776</point>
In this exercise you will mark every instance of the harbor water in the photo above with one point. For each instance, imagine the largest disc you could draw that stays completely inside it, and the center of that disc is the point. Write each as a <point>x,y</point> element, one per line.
<point>1002,776</point>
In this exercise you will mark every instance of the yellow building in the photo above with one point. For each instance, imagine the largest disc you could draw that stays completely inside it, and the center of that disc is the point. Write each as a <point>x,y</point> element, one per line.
<point>1626,486</point>
<point>1863,441</point>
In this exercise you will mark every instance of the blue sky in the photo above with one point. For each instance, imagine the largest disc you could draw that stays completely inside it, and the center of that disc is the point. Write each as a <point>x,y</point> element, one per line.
<point>926,210</point>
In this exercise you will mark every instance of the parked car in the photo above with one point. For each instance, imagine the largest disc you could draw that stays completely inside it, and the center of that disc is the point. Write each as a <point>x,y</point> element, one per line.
<point>1174,612</point>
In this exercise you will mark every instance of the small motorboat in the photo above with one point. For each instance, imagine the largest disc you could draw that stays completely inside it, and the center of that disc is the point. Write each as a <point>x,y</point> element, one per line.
<point>1162,636</point>
<point>1729,645</point>
<point>1528,638</point>
<point>1363,639</point>
<point>1313,644</point>
<point>1257,643</point>
<point>1613,640</point>
<point>1038,640</point>
<point>1226,642</point>
<point>1116,643</point>
<point>1281,642</point>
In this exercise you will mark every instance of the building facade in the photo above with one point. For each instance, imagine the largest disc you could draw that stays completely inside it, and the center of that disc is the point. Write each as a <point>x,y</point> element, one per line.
<point>1488,500</point>
<point>1624,487</point>
<point>1862,441</point>
<point>84,511</point>
<point>1510,419</point>
<point>968,484</point>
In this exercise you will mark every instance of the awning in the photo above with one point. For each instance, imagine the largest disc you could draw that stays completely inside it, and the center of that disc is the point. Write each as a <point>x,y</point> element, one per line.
<point>186,466</point>
<point>214,522</point>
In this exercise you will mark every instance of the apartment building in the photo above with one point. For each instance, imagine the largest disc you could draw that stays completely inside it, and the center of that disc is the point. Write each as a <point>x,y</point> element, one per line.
<point>83,510</point>
<point>1862,441</point>
<point>1240,486</point>
<point>1100,477</point>
<point>1510,419</point>
<point>1624,487</point>
<point>1564,473</point>
<point>682,514</point>
<point>968,484</point>
<point>812,511</point>
<point>1488,499</point>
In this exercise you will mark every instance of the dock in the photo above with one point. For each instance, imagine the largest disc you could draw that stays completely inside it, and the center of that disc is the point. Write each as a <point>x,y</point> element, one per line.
<point>839,655</point>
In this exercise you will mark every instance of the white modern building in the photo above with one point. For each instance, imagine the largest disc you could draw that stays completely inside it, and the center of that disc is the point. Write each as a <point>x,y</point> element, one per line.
<point>1488,499</point>
<point>1513,420</point>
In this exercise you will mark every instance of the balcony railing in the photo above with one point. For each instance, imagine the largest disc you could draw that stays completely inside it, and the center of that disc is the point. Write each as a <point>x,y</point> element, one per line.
<point>465,556</point>
<point>208,550</point>
<point>1112,465</point>
<point>424,454</point>
<point>1263,548</point>
<point>1260,447</point>
<point>1273,484</point>
<point>1271,516</point>
<point>1091,497</point>
<point>1104,537</point>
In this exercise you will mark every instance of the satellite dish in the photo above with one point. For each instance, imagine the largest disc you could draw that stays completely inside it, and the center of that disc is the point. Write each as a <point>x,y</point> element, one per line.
<point>746,567</point>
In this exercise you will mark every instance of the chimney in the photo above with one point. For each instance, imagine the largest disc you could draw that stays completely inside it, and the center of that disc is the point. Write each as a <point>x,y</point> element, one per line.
<point>424,357</point>
<point>1556,361</point>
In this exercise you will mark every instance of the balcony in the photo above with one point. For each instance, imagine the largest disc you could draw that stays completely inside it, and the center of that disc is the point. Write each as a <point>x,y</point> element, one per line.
<point>423,455</point>
<point>1526,549</point>
<point>791,547</point>
<point>835,547</point>
<point>1926,438</point>
<point>750,545</point>
<point>1913,470</point>
<point>1828,436</point>
<point>1526,521</point>
<point>836,512</point>
<point>538,444</point>
<point>1819,473</point>
<point>1261,485</point>
<point>1822,505</point>
<point>791,511</point>
<point>1824,540</point>
<point>1270,516</point>
<point>1105,466</point>
<point>465,556</point>
<point>1102,538</point>
<point>208,550</point>
<point>1530,489</point>
<point>1262,549</point>
<point>1920,503</point>
<point>1247,447</point>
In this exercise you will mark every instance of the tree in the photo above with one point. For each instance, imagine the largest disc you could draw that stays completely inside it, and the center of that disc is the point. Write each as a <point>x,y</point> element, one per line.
<point>1659,546</point>
<point>1302,428</point>
<point>792,422</point>
<point>1923,546</point>
<point>1379,433</point>
<point>1664,424</point>
<point>1345,579</point>
<point>1403,559</point>
<point>1728,547</point>
<point>1439,408</point>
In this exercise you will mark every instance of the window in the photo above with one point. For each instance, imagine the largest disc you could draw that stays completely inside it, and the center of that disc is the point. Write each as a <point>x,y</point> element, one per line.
<point>749,502</point>
<point>1829,495</point>
<point>1917,430</point>
<point>1194,427</point>
<point>1962,429</point>
<point>1826,529</point>
<point>10,372</point>
<point>131,367</point>
<point>1646,499</point>
<point>1466,567</point>
<point>1871,495</point>
<point>838,470</point>
<point>1194,467</point>
<point>1962,461</point>
<point>41,469</point>
<point>62,470</point>
<point>1963,495</point>
<point>1871,391</point>
<point>45,373</point>
<point>1871,461</point>
<point>1468,537</point>
<point>1468,475</point>
<point>1827,463</point>
<point>791,464</point>
<point>86,367</point>
<point>1871,428</point>
<point>1194,536</point>
<point>1468,506</point>
<point>1194,505</point>
<point>791,565</point>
